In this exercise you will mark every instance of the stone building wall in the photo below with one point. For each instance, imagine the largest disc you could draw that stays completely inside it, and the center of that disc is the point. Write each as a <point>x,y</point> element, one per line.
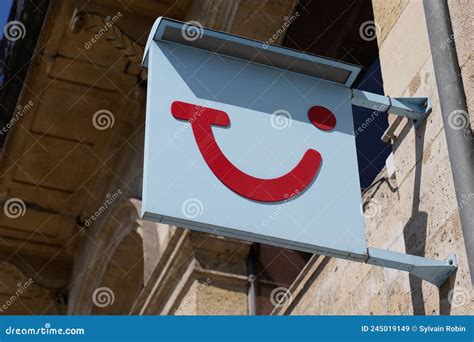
<point>124,265</point>
<point>416,211</point>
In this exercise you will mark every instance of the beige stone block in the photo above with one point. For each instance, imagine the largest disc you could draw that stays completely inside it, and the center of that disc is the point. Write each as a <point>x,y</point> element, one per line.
<point>397,283</point>
<point>398,293</point>
<point>398,303</point>
<point>386,14</point>
<point>188,305</point>
<point>427,197</point>
<point>262,20</point>
<point>405,49</point>
<point>333,290</point>
<point>73,46</point>
<point>313,301</point>
<point>62,201</point>
<point>462,17</point>
<point>21,296</point>
<point>11,245</point>
<point>55,163</point>
<point>368,297</point>
<point>397,244</point>
<point>382,224</point>
<point>216,300</point>
<point>210,293</point>
<point>68,114</point>
<point>197,273</point>
<point>224,255</point>
<point>458,298</point>
<point>137,17</point>
<point>410,143</point>
<point>91,75</point>
<point>467,72</point>
<point>37,225</point>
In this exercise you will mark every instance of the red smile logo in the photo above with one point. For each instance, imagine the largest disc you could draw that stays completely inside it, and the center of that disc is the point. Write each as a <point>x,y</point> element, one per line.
<point>258,189</point>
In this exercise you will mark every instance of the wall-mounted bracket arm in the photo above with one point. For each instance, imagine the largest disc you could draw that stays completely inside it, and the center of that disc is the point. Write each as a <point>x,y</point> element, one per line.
<point>433,271</point>
<point>415,108</point>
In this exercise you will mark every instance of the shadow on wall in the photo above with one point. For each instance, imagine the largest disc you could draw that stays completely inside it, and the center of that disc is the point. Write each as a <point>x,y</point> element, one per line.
<point>415,233</point>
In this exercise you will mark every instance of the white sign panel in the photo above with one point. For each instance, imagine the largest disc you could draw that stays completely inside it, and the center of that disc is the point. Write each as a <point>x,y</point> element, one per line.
<point>247,150</point>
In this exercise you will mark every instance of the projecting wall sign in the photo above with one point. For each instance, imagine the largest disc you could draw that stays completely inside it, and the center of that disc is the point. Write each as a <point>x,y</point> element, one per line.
<point>249,150</point>
<point>252,141</point>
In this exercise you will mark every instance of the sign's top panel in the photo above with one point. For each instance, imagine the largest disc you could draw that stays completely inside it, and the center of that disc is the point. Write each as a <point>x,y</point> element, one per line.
<point>188,34</point>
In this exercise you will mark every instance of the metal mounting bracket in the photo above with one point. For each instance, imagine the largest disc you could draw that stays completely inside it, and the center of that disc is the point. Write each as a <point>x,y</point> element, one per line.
<point>433,271</point>
<point>415,108</point>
